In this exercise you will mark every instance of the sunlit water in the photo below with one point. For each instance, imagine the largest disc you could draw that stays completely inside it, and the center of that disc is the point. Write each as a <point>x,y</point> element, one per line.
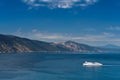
<point>51,66</point>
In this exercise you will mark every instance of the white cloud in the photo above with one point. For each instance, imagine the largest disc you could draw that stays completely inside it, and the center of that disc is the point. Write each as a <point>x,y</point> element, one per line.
<point>59,3</point>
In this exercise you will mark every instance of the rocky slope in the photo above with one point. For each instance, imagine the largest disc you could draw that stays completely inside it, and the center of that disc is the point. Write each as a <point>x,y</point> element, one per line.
<point>9,44</point>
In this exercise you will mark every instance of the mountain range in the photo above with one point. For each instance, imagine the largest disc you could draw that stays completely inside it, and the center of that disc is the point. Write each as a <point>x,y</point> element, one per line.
<point>14,44</point>
<point>110,46</point>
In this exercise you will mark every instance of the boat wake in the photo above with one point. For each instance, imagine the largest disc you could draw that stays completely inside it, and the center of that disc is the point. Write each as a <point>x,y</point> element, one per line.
<point>111,65</point>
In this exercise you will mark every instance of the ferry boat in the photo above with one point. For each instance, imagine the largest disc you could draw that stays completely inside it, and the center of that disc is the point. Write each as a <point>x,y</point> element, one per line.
<point>86,63</point>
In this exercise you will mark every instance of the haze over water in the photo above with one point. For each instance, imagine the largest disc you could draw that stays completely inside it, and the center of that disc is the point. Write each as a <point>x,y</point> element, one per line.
<point>50,66</point>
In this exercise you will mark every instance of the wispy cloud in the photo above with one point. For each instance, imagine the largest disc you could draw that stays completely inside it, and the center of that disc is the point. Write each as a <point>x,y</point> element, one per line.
<point>92,39</point>
<point>59,3</point>
<point>114,28</point>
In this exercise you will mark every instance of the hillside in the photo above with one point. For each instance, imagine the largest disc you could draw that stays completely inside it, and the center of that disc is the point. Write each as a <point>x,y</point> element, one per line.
<point>77,47</point>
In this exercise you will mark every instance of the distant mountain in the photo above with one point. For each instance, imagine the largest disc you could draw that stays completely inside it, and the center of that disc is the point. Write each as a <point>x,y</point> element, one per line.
<point>111,46</point>
<point>14,44</point>
<point>77,47</point>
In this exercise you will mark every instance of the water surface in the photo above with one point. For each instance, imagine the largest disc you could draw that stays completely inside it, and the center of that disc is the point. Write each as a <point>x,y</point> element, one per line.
<point>51,66</point>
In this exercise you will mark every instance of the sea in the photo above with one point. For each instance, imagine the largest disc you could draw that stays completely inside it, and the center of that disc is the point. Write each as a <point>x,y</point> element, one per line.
<point>59,66</point>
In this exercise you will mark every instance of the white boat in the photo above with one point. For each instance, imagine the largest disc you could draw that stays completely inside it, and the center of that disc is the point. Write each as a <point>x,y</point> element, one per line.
<point>92,64</point>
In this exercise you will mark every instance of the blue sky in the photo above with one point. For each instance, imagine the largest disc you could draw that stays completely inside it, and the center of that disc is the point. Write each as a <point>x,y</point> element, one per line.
<point>94,22</point>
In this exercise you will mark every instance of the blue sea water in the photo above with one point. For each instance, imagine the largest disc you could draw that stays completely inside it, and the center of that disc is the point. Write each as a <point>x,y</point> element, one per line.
<point>52,66</point>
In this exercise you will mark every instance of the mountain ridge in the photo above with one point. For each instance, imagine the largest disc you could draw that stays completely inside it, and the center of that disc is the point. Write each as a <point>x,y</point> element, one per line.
<point>110,46</point>
<point>15,44</point>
